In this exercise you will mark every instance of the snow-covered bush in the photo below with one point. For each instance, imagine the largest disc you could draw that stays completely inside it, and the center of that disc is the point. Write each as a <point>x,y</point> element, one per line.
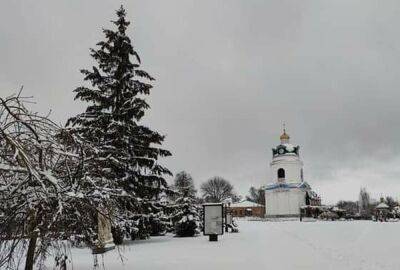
<point>188,225</point>
<point>328,215</point>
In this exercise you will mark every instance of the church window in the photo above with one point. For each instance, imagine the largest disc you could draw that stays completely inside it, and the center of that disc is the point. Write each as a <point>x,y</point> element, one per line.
<point>281,173</point>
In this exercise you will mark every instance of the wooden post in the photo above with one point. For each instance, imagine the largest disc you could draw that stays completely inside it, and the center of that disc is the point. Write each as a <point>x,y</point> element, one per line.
<point>213,237</point>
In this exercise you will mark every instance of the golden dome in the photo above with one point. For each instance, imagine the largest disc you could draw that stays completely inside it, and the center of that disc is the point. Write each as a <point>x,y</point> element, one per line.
<point>284,136</point>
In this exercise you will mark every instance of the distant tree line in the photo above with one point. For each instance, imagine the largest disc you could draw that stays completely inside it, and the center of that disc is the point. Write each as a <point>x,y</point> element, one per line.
<point>365,207</point>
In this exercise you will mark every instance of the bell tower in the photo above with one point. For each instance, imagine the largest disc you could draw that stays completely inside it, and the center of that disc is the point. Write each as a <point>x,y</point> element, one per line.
<point>287,191</point>
<point>286,165</point>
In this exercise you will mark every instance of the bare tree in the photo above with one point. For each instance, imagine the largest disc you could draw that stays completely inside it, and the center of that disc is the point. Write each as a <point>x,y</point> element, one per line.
<point>256,195</point>
<point>217,189</point>
<point>392,203</point>
<point>43,193</point>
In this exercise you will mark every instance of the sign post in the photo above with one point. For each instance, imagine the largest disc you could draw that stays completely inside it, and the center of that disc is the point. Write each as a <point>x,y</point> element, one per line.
<point>228,221</point>
<point>213,220</point>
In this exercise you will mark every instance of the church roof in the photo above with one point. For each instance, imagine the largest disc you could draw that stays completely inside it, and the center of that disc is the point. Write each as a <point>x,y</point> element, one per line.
<point>288,149</point>
<point>382,205</point>
<point>301,185</point>
<point>312,194</point>
<point>285,147</point>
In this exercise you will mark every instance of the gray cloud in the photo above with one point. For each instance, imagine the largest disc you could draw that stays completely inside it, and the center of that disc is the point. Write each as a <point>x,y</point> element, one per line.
<point>228,74</point>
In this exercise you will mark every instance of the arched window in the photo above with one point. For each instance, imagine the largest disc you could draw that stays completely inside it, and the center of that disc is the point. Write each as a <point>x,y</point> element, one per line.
<point>281,173</point>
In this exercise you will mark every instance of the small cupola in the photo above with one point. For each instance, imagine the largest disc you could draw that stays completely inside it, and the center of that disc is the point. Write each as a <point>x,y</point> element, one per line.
<point>284,137</point>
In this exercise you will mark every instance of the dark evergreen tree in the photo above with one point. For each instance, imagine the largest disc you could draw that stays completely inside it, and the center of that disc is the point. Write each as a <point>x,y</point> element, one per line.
<point>186,215</point>
<point>128,151</point>
<point>364,204</point>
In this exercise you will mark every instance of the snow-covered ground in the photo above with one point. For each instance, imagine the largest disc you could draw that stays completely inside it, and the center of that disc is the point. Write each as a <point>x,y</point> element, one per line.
<point>264,245</point>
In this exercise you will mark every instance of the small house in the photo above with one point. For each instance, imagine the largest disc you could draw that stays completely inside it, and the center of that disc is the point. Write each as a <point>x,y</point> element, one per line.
<point>381,211</point>
<point>247,209</point>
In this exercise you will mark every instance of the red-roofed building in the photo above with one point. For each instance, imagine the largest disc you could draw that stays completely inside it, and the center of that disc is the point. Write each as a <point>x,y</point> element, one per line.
<point>247,209</point>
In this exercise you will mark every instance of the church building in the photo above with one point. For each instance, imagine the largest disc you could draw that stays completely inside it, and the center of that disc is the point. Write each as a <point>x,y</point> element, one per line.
<point>287,191</point>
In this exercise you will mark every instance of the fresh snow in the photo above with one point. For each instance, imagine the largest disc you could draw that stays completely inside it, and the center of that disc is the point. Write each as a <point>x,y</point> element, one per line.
<point>50,177</point>
<point>289,147</point>
<point>75,195</point>
<point>284,245</point>
<point>382,205</point>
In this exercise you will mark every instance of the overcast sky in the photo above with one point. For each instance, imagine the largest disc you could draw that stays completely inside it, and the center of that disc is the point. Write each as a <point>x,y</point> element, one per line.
<point>229,73</point>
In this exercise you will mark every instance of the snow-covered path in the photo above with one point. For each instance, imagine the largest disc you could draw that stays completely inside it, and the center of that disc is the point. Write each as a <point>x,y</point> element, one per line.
<point>264,245</point>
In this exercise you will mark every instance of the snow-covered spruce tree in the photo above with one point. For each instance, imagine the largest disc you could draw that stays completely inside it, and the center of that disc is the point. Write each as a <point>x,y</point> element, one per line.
<point>365,207</point>
<point>128,151</point>
<point>44,198</point>
<point>186,215</point>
